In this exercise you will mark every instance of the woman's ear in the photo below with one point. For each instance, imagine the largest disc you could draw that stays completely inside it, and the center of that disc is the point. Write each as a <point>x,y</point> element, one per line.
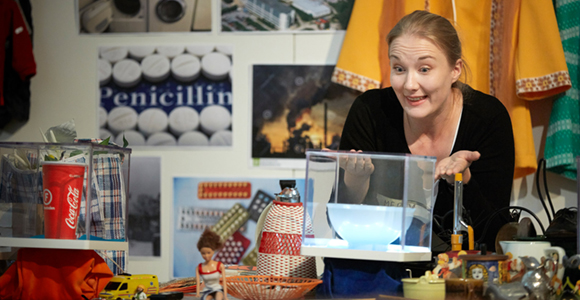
<point>457,69</point>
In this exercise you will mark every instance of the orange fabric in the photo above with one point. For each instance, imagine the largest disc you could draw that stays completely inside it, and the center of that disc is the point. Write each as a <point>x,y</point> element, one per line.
<point>389,19</point>
<point>548,74</point>
<point>55,274</point>
<point>360,69</point>
<point>529,56</point>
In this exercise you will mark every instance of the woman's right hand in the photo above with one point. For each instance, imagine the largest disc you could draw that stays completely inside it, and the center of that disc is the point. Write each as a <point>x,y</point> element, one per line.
<point>357,165</point>
<point>358,170</point>
<point>458,162</point>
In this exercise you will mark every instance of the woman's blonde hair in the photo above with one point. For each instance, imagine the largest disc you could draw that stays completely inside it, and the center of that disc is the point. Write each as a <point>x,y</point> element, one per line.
<point>435,28</point>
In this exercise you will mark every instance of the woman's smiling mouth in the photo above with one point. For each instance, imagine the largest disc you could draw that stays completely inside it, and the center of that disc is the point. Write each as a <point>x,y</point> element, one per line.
<point>416,98</point>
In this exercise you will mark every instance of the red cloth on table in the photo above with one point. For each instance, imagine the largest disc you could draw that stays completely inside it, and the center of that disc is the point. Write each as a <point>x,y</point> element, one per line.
<point>55,274</point>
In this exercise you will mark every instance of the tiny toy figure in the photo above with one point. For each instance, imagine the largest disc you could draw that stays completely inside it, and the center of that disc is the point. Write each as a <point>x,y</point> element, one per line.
<point>552,266</point>
<point>446,269</point>
<point>442,269</point>
<point>515,268</point>
<point>210,271</point>
<point>140,293</point>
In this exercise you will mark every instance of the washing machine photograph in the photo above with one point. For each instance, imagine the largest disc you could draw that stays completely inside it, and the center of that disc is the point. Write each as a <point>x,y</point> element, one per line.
<point>134,16</point>
<point>129,16</point>
<point>94,16</point>
<point>112,16</point>
<point>171,15</point>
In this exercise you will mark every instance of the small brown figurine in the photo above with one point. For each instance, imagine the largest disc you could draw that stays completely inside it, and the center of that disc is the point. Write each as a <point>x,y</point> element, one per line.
<point>210,271</point>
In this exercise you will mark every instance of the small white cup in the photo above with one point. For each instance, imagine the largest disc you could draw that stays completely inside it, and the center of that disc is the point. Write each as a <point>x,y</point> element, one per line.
<point>525,248</point>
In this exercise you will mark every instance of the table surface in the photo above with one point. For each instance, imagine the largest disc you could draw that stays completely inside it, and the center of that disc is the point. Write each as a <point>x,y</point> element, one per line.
<point>382,297</point>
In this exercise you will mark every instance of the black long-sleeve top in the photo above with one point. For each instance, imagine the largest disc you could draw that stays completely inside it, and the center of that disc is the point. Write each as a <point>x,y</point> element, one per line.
<point>375,123</point>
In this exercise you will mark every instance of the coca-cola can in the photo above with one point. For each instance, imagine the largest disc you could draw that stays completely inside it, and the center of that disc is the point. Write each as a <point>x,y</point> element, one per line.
<point>62,189</point>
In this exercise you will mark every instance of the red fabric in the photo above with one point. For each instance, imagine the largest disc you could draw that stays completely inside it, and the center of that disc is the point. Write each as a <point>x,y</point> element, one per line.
<point>12,24</point>
<point>55,274</point>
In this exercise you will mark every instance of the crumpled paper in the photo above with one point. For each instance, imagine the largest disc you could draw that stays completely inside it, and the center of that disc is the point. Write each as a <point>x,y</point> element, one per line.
<point>63,133</point>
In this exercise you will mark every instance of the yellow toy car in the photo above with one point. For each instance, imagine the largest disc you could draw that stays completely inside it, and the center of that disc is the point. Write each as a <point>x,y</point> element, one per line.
<point>124,286</point>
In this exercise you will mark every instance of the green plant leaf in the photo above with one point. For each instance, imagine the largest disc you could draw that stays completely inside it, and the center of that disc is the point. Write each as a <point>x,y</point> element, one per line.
<point>105,142</point>
<point>75,153</point>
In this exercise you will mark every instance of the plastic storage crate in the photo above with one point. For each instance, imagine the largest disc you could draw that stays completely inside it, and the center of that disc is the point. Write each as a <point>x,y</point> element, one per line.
<point>102,219</point>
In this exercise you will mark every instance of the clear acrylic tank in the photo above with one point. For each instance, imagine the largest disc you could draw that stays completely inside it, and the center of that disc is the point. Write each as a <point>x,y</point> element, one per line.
<point>381,210</point>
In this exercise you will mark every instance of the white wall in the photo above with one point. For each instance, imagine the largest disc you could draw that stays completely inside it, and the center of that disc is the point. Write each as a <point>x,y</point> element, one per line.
<point>66,88</point>
<point>562,189</point>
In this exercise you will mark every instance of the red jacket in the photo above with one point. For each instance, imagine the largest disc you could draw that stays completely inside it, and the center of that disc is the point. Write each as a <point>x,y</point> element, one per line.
<point>12,26</point>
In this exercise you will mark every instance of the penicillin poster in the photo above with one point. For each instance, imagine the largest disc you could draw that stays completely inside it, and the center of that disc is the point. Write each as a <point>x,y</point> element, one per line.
<point>201,203</point>
<point>166,95</point>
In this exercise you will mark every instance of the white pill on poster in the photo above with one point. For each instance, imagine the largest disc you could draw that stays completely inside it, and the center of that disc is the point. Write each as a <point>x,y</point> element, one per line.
<point>221,138</point>
<point>127,73</point>
<point>134,138</point>
<point>225,49</point>
<point>216,66</point>
<point>113,54</point>
<point>161,139</point>
<point>102,116</point>
<point>214,118</point>
<point>155,67</point>
<point>170,51</point>
<point>140,52</point>
<point>183,119</point>
<point>200,50</point>
<point>193,138</point>
<point>122,118</point>
<point>105,71</point>
<point>152,120</point>
<point>185,67</point>
<point>104,134</point>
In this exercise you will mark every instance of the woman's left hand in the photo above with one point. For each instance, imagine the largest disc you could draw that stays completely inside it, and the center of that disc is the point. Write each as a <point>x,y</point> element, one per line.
<point>458,162</point>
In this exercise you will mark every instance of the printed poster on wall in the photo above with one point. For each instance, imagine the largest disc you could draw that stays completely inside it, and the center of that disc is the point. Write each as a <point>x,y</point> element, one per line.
<point>200,203</point>
<point>295,108</point>
<point>166,95</point>
<point>285,16</point>
<point>141,16</point>
<point>144,206</point>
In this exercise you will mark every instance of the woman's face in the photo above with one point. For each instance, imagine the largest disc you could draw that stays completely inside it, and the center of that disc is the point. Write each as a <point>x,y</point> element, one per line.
<point>206,253</point>
<point>421,76</point>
